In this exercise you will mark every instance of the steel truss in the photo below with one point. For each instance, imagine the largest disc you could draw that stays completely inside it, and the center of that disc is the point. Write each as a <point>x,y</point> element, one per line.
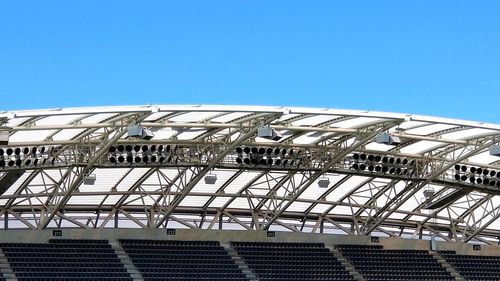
<point>253,196</point>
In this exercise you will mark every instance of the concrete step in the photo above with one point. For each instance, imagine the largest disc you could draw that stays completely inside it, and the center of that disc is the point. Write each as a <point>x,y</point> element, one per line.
<point>346,264</point>
<point>240,262</point>
<point>447,266</point>
<point>5,268</point>
<point>10,277</point>
<point>126,261</point>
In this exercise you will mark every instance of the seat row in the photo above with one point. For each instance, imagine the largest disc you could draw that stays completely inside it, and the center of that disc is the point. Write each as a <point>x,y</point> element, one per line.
<point>60,268</point>
<point>177,278</point>
<point>58,278</point>
<point>183,243</point>
<point>277,245</point>
<point>281,249</point>
<point>73,274</point>
<point>66,261</point>
<point>26,250</point>
<point>79,241</point>
<point>54,245</point>
<point>191,266</point>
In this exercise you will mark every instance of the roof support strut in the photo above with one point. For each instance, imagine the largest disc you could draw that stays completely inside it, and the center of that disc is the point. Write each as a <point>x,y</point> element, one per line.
<point>343,153</point>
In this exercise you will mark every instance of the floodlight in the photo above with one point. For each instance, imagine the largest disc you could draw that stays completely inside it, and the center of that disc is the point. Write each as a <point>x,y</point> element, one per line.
<point>323,182</point>
<point>267,132</point>
<point>428,192</point>
<point>210,179</point>
<point>495,150</point>
<point>137,131</point>
<point>89,179</point>
<point>385,138</point>
<point>147,134</point>
<point>134,131</point>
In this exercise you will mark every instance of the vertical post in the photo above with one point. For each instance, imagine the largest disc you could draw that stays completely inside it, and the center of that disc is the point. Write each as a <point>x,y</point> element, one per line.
<point>6,221</point>
<point>433,236</point>
<point>116,220</point>
<point>321,225</point>
<point>429,193</point>
<point>221,217</point>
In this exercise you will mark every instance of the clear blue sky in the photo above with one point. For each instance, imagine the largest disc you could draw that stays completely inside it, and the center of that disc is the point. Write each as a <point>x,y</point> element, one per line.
<point>437,58</point>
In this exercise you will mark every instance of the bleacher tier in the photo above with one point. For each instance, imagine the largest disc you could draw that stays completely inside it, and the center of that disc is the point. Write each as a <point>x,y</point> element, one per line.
<point>291,261</point>
<point>182,260</point>
<point>474,268</point>
<point>378,264</point>
<point>65,259</point>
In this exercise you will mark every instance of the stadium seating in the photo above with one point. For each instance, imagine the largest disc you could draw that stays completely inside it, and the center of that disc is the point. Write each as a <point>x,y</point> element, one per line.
<point>86,260</point>
<point>480,268</point>
<point>182,260</point>
<point>291,261</point>
<point>65,259</point>
<point>378,264</point>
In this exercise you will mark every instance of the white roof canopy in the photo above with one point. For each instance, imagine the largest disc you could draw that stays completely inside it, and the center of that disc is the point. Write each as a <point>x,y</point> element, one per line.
<point>322,171</point>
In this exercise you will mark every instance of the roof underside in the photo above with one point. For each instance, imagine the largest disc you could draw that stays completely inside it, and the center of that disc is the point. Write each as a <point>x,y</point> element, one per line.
<point>326,172</point>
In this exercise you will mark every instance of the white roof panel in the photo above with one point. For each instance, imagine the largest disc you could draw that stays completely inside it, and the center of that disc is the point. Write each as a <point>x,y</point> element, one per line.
<point>98,118</point>
<point>314,120</point>
<point>430,129</point>
<point>299,206</point>
<point>229,117</point>
<point>239,203</point>
<point>195,116</point>
<point>33,135</point>
<point>421,146</point>
<point>194,201</point>
<point>60,119</point>
<point>356,122</point>
<point>67,134</point>
<point>467,134</point>
<point>345,187</point>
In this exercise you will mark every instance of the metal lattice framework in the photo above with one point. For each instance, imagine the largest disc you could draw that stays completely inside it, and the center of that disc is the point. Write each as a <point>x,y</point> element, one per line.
<point>78,167</point>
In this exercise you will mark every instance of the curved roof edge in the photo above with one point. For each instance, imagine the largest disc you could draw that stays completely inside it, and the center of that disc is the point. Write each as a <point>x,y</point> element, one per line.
<point>250,108</point>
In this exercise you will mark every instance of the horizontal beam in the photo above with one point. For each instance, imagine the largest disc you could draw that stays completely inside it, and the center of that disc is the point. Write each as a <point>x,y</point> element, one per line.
<point>208,125</point>
<point>85,208</point>
<point>138,214</point>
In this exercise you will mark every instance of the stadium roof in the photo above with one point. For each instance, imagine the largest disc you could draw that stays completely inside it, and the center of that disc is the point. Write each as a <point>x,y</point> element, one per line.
<point>250,167</point>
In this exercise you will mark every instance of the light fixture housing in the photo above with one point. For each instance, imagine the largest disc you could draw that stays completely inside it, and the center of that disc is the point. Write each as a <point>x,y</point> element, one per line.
<point>210,179</point>
<point>137,131</point>
<point>89,179</point>
<point>269,133</point>
<point>385,138</point>
<point>495,150</point>
<point>323,182</point>
<point>428,192</point>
